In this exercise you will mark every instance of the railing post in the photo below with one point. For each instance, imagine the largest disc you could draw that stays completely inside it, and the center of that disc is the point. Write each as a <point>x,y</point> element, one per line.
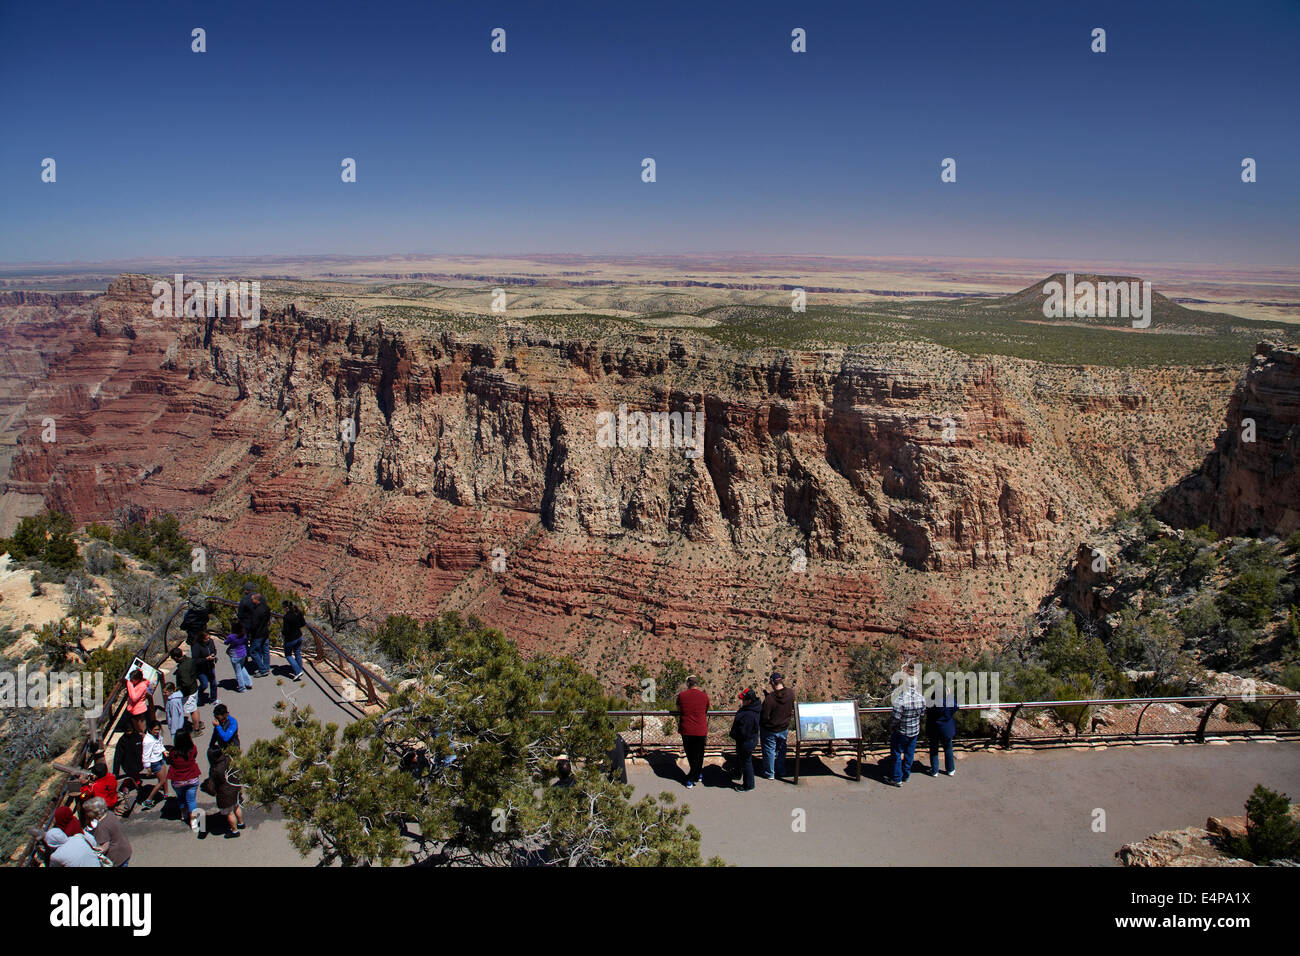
<point>1137,730</point>
<point>1205,719</point>
<point>1011,722</point>
<point>1268,714</point>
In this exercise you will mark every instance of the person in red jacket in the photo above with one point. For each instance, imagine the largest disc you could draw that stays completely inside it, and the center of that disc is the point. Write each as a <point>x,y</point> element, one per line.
<point>103,785</point>
<point>693,705</point>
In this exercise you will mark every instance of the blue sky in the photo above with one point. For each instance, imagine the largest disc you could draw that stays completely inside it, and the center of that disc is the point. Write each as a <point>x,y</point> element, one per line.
<point>1129,155</point>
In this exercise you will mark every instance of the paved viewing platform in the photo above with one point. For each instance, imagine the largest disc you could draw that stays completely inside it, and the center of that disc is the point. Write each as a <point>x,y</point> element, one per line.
<point>1021,807</point>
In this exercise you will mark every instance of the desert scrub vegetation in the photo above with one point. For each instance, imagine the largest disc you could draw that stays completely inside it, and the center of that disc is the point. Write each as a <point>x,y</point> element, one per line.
<point>983,331</point>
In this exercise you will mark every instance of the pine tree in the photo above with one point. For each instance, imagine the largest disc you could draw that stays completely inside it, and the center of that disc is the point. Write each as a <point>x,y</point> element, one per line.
<point>458,769</point>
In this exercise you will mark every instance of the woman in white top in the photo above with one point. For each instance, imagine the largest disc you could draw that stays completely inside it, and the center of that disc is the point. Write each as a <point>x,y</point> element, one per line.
<point>151,752</point>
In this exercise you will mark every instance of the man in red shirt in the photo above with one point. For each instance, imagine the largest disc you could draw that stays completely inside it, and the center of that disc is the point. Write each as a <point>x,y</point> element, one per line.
<point>693,705</point>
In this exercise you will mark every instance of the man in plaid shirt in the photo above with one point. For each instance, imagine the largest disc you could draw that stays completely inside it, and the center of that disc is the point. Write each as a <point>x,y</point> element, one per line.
<point>905,727</point>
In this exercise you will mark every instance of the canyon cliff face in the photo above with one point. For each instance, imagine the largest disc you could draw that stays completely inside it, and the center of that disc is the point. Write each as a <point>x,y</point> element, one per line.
<point>841,494</point>
<point>1250,483</point>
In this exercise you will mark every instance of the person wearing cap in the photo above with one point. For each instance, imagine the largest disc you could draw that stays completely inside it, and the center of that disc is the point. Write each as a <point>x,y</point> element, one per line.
<point>693,705</point>
<point>778,708</point>
<point>905,727</point>
<point>744,731</point>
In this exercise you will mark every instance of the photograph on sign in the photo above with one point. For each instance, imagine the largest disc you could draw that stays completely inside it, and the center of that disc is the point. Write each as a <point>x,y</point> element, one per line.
<point>829,720</point>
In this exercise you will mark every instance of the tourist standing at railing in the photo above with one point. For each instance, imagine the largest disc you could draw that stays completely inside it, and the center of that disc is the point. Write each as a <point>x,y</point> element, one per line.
<point>258,628</point>
<point>778,708</point>
<point>941,728</point>
<point>138,702</point>
<point>204,652</point>
<point>744,731</point>
<point>693,706</point>
<point>195,621</point>
<point>237,650</point>
<point>905,727</point>
<point>291,628</point>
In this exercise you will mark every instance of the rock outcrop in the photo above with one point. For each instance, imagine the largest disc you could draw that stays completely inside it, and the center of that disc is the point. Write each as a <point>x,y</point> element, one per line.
<point>1250,483</point>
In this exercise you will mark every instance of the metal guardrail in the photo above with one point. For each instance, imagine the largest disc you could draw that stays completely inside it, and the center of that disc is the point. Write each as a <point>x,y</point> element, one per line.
<point>342,661</point>
<point>1195,725</point>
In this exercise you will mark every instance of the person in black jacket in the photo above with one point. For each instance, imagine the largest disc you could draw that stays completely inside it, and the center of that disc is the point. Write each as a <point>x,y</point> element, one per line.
<point>778,708</point>
<point>128,765</point>
<point>744,731</point>
<point>941,728</point>
<point>244,612</point>
<point>291,628</point>
<point>256,618</point>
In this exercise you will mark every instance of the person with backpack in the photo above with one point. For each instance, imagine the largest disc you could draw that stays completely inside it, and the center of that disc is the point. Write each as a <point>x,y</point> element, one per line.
<point>237,650</point>
<point>291,628</point>
<point>223,788</point>
<point>744,731</point>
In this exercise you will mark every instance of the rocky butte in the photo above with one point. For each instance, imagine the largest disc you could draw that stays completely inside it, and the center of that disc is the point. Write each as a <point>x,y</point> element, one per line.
<point>841,494</point>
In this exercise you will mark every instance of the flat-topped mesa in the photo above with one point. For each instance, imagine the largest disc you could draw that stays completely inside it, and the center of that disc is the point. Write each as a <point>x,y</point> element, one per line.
<point>1250,482</point>
<point>840,494</point>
